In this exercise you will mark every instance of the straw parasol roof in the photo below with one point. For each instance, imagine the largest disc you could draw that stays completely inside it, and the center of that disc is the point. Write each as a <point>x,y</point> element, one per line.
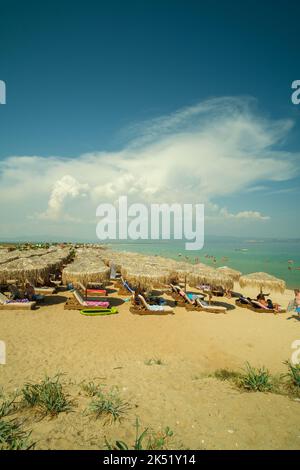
<point>31,265</point>
<point>203,274</point>
<point>87,267</point>
<point>147,273</point>
<point>262,280</point>
<point>233,273</point>
<point>26,269</point>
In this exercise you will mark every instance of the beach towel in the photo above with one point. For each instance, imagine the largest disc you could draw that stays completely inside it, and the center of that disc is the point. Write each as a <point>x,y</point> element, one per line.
<point>96,303</point>
<point>17,301</point>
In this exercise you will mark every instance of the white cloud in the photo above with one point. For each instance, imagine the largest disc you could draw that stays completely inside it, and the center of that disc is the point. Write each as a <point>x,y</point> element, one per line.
<point>252,215</point>
<point>200,154</point>
<point>63,188</point>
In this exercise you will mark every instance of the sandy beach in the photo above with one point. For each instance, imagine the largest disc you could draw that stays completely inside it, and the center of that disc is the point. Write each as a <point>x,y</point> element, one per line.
<point>203,412</point>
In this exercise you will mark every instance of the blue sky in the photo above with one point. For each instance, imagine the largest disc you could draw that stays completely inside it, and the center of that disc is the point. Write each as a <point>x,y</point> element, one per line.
<point>85,80</point>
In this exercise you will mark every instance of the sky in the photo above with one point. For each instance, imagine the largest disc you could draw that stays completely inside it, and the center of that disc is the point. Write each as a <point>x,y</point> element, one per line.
<point>160,100</point>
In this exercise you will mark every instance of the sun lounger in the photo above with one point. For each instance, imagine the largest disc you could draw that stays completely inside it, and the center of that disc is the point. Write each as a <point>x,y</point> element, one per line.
<point>212,291</point>
<point>125,288</point>
<point>151,309</point>
<point>114,275</point>
<point>77,302</point>
<point>243,302</point>
<point>7,304</point>
<point>255,306</point>
<point>45,290</point>
<point>183,297</point>
<point>259,307</point>
<point>202,305</point>
<point>91,292</point>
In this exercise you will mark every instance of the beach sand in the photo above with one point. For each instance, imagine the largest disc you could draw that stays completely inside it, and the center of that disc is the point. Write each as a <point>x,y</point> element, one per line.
<point>203,412</point>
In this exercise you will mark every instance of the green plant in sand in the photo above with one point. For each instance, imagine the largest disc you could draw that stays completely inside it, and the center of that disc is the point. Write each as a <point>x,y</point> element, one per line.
<point>47,396</point>
<point>13,437</point>
<point>90,389</point>
<point>145,440</point>
<point>109,405</point>
<point>292,378</point>
<point>256,380</point>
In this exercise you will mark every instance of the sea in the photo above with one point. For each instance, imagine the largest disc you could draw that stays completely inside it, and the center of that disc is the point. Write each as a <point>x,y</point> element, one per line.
<point>278,257</point>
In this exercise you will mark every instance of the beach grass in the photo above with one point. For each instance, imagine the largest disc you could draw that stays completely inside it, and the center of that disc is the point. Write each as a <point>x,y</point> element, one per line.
<point>8,406</point>
<point>90,389</point>
<point>109,405</point>
<point>260,380</point>
<point>250,378</point>
<point>144,440</point>
<point>255,379</point>
<point>292,378</point>
<point>13,436</point>
<point>47,396</point>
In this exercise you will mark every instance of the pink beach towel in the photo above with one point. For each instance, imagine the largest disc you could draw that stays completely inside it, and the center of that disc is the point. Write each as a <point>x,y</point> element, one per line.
<point>95,303</point>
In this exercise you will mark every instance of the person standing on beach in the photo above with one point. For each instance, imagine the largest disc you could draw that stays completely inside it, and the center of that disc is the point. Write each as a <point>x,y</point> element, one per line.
<point>297,301</point>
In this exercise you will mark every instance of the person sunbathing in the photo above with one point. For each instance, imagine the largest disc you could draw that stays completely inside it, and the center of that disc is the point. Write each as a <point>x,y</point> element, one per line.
<point>30,292</point>
<point>297,301</point>
<point>268,303</point>
<point>262,300</point>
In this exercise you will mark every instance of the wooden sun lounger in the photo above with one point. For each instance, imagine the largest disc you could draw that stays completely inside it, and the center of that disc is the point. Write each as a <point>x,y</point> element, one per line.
<point>210,308</point>
<point>124,288</point>
<point>45,290</point>
<point>260,308</point>
<point>182,298</point>
<point>148,309</point>
<point>90,292</point>
<point>256,306</point>
<point>245,304</point>
<point>15,305</point>
<point>77,302</point>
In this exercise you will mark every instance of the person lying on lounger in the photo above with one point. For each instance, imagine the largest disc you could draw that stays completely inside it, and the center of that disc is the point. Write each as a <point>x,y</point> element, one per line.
<point>297,301</point>
<point>30,293</point>
<point>268,303</point>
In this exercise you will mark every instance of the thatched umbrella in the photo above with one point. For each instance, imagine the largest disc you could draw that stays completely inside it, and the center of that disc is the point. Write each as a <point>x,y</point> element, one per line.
<point>207,275</point>
<point>26,269</point>
<point>261,281</point>
<point>146,276</point>
<point>233,273</point>
<point>86,270</point>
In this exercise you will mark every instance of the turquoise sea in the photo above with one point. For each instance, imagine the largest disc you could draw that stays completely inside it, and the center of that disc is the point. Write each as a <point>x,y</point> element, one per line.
<point>278,257</point>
